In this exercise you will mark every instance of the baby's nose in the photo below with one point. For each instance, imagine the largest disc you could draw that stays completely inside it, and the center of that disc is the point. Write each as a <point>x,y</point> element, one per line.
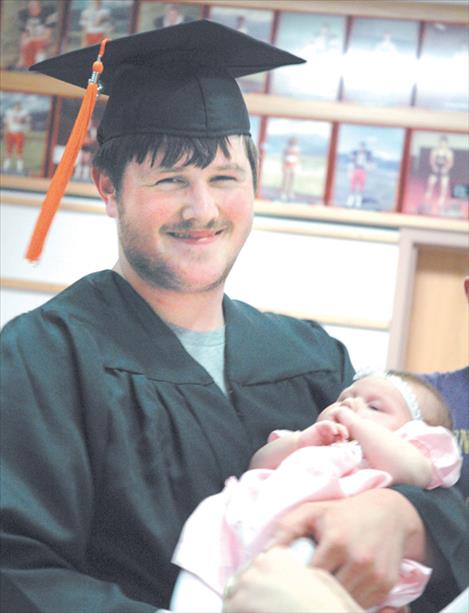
<point>350,402</point>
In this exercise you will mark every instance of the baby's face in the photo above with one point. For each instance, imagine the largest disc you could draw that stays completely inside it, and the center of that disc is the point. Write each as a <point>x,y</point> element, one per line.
<point>372,398</point>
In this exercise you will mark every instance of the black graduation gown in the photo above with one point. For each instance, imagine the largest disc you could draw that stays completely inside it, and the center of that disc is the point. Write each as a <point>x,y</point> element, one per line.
<point>112,434</point>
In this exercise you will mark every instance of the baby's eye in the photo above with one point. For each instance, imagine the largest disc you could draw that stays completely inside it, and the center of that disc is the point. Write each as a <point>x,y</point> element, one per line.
<point>373,407</point>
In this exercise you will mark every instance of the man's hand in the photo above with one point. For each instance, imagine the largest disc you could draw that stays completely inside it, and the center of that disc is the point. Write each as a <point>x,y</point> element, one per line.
<point>361,540</point>
<point>276,581</point>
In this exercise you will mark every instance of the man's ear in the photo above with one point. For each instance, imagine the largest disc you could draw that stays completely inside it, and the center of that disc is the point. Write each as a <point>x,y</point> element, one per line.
<point>106,190</point>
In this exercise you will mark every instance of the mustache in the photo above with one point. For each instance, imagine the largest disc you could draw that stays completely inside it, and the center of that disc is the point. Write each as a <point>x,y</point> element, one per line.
<point>189,226</point>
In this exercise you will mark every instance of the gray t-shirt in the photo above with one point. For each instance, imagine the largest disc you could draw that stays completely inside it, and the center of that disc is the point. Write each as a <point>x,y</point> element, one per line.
<point>207,348</point>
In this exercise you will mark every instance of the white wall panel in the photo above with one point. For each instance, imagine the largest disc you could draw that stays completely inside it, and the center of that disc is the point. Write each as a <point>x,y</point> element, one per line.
<point>308,274</point>
<point>78,243</point>
<point>13,303</point>
<point>367,348</point>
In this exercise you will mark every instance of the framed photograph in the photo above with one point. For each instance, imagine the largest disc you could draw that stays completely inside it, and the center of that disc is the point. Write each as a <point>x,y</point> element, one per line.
<point>438,175</point>
<point>256,23</point>
<point>379,65</point>
<point>294,160</point>
<point>89,21</point>
<point>367,167</point>
<point>319,39</point>
<point>25,125</point>
<point>442,81</point>
<point>162,14</point>
<point>67,110</point>
<point>29,32</point>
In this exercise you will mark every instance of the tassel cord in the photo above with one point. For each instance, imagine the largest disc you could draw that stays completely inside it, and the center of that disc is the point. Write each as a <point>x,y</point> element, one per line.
<point>66,165</point>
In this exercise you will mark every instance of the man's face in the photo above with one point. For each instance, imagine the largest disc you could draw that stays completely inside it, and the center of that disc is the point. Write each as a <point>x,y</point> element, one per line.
<point>181,228</point>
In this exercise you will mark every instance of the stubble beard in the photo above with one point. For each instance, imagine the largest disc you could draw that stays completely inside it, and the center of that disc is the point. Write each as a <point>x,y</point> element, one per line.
<point>157,272</point>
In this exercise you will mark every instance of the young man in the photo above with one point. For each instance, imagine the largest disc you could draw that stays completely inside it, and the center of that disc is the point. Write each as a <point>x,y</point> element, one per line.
<point>136,392</point>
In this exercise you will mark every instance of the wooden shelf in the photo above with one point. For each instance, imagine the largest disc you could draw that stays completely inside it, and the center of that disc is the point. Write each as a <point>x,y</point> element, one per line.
<point>264,209</point>
<point>345,112</point>
<point>39,184</point>
<point>393,9</point>
<point>376,219</point>
<point>280,106</point>
<point>35,83</point>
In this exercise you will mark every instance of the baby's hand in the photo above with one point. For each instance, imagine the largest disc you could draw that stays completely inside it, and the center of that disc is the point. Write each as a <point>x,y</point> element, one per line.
<point>323,432</point>
<point>345,416</point>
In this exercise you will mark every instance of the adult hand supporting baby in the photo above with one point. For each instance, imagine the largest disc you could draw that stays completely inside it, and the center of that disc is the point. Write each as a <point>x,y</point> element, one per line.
<point>277,581</point>
<point>361,540</point>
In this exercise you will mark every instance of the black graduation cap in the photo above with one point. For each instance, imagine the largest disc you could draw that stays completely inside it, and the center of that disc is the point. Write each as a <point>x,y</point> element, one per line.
<point>178,80</point>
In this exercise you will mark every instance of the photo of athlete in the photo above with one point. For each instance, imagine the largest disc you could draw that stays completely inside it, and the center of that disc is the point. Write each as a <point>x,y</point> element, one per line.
<point>16,122</point>
<point>95,21</point>
<point>290,161</point>
<point>441,161</point>
<point>36,23</point>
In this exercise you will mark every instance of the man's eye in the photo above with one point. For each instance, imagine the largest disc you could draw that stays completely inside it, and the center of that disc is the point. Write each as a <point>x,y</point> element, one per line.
<point>168,181</point>
<point>224,178</point>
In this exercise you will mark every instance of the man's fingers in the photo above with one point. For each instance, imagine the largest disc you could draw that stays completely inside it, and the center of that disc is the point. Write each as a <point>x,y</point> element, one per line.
<point>355,568</point>
<point>329,555</point>
<point>364,580</point>
<point>299,522</point>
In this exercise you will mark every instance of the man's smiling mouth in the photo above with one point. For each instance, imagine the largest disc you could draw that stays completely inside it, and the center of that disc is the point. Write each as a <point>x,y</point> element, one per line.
<point>196,234</point>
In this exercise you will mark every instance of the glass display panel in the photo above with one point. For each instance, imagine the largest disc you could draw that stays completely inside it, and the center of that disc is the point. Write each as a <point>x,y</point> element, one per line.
<point>68,111</point>
<point>162,14</point>
<point>367,166</point>
<point>438,175</point>
<point>443,68</point>
<point>89,21</point>
<point>254,22</point>
<point>28,32</point>
<point>380,62</point>
<point>25,123</point>
<point>295,160</point>
<point>319,39</point>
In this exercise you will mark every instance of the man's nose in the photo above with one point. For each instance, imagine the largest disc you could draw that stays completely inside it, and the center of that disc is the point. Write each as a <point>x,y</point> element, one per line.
<point>201,205</point>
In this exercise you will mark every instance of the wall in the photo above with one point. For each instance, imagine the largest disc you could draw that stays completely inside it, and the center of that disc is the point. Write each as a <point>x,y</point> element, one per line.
<point>345,283</point>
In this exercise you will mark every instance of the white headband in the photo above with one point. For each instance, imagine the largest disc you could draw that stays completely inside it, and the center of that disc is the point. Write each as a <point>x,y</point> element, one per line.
<point>402,386</point>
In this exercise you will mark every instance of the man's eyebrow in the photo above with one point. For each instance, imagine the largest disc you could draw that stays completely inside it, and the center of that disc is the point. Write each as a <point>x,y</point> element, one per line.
<point>173,169</point>
<point>220,168</point>
<point>232,166</point>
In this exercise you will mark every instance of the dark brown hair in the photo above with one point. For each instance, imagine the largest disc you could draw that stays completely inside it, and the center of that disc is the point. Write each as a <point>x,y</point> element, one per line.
<point>113,156</point>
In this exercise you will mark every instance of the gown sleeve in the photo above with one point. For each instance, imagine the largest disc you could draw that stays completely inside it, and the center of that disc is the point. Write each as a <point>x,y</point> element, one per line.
<point>445,518</point>
<point>48,480</point>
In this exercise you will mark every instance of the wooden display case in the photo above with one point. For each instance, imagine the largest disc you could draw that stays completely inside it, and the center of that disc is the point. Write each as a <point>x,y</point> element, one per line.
<point>266,106</point>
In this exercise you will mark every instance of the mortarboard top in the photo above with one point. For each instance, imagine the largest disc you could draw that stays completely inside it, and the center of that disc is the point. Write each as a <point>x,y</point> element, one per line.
<point>178,80</point>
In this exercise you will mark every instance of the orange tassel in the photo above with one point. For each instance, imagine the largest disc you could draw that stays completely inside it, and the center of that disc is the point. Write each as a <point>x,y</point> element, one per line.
<point>65,167</point>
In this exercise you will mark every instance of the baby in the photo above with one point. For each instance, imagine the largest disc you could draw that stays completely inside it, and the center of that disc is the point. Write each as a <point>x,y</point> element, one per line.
<point>386,428</point>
